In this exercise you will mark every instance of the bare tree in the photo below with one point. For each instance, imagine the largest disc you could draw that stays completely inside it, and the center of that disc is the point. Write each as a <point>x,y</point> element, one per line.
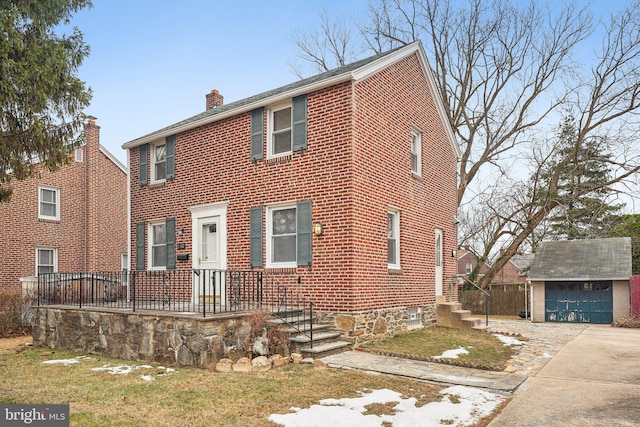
<point>504,70</point>
<point>328,48</point>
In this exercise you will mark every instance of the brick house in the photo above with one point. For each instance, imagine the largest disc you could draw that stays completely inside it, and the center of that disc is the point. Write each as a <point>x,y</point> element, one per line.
<point>346,180</point>
<point>73,219</point>
<point>467,261</point>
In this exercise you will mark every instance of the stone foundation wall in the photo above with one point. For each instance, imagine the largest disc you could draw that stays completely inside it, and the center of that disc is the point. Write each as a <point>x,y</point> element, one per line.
<point>375,325</point>
<point>163,338</point>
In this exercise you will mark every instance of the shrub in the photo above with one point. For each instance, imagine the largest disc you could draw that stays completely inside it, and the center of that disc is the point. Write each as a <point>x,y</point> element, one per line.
<point>627,322</point>
<point>11,304</point>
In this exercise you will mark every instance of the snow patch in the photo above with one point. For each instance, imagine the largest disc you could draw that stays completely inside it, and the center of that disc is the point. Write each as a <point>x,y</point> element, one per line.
<point>66,362</point>
<point>452,354</point>
<point>507,340</point>
<point>470,406</point>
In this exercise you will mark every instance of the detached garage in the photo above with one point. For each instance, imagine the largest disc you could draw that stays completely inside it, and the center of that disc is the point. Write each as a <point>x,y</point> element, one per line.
<point>581,281</point>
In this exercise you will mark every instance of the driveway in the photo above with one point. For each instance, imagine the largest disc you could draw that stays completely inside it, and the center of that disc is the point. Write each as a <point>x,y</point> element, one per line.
<point>593,380</point>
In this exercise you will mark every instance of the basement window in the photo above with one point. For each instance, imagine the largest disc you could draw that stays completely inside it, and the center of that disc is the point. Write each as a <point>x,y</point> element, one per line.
<point>413,318</point>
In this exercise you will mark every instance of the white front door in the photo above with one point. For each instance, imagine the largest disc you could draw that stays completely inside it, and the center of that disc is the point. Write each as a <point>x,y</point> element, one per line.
<point>209,243</point>
<point>438,262</point>
<point>209,251</point>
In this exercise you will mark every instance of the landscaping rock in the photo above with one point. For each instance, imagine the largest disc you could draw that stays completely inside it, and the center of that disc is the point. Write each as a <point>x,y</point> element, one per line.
<point>296,358</point>
<point>510,369</point>
<point>278,361</point>
<point>242,365</point>
<point>261,364</point>
<point>307,361</point>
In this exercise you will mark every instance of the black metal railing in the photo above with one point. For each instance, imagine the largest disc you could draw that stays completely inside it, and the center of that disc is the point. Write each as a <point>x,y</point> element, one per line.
<point>286,304</point>
<point>196,291</point>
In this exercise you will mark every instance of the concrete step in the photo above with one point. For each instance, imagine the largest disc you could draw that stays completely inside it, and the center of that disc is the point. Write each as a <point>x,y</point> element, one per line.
<point>470,322</point>
<point>482,328</point>
<point>321,336</point>
<point>327,349</point>
<point>289,319</point>
<point>305,328</point>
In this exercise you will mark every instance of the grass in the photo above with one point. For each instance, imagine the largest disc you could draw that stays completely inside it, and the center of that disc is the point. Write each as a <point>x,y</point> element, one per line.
<point>485,350</point>
<point>188,397</point>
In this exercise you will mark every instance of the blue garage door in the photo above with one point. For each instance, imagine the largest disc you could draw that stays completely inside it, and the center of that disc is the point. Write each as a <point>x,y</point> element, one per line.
<point>579,302</point>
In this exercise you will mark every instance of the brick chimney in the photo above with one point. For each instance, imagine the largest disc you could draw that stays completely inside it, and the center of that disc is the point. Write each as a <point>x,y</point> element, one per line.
<point>214,99</point>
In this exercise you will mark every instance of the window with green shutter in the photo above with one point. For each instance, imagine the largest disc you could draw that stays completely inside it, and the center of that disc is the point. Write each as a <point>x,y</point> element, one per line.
<point>143,152</point>
<point>299,122</point>
<point>256,237</point>
<point>289,235</point>
<point>140,251</point>
<point>257,134</point>
<point>287,127</point>
<point>170,143</point>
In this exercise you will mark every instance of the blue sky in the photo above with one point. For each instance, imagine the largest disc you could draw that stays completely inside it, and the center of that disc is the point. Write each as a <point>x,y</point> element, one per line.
<point>153,61</point>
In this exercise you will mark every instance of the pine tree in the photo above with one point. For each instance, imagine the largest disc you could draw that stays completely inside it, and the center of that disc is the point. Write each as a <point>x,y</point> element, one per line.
<point>41,97</point>
<point>584,215</point>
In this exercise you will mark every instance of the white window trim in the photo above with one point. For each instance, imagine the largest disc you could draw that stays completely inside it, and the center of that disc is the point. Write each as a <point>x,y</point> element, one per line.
<point>57,191</point>
<point>269,236</point>
<point>468,268</point>
<point>396,213</point>
<point>55,257</point>
<point>272,109</point>
<point>152,161</point>
<point>79,155</point>
<point>150,243</point>
<point>418,134</point>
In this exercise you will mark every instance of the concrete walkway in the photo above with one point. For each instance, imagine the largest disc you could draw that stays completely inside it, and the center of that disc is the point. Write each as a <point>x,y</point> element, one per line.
<point>594,380</point>
<point>426,371</point>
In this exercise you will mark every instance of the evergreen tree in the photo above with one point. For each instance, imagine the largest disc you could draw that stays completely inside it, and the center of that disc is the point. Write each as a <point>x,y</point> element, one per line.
<point>629,226</point>
<point>41,97</point>
<point>590,215</point>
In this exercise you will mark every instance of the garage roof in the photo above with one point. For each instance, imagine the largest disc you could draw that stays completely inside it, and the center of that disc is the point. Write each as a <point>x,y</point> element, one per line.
<point>594,259</point>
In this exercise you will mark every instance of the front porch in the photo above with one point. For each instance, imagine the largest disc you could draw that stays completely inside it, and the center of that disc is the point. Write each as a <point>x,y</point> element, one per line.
<point>184,317</point>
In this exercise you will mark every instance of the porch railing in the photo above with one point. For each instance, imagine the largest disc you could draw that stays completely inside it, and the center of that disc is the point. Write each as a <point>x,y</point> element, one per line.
<point>196,291</point>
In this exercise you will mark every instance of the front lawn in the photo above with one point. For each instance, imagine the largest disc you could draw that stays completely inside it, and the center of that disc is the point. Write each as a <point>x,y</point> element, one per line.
<point>156,396</point>
<point>485,350</point>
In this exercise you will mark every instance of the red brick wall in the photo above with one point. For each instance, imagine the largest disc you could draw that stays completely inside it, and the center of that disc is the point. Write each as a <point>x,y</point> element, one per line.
<point>388,105</point>
<point>22,231</point>
<point>357,165</point>
<point>107,207</point>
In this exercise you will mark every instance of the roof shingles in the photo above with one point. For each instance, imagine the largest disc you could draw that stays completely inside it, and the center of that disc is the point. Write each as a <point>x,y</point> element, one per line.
<point>594,259</point>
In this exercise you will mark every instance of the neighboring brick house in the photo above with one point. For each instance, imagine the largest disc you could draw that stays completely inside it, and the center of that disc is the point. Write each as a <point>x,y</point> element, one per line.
<point>74,219</point>
<point>467,261</point>
<point>514,272</point>
<point>364,152</point>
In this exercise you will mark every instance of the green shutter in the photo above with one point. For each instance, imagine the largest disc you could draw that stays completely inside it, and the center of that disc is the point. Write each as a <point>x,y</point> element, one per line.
<point>140,237</point>
<point>143,152</point>
<point>257,134</point>
<point>170,146</point>
<point>256,237</point>
<point>299,119</point>
<point>170,226</point>
<point>303,211</point>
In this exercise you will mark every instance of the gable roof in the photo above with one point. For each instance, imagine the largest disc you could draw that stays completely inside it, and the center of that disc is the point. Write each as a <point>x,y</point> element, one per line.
<point>355,71</point>
<point>522,261</point>
<point>594,259</point>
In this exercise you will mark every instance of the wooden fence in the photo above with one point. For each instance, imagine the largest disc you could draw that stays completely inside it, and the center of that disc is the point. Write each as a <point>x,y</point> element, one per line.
<point>509,301</point>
